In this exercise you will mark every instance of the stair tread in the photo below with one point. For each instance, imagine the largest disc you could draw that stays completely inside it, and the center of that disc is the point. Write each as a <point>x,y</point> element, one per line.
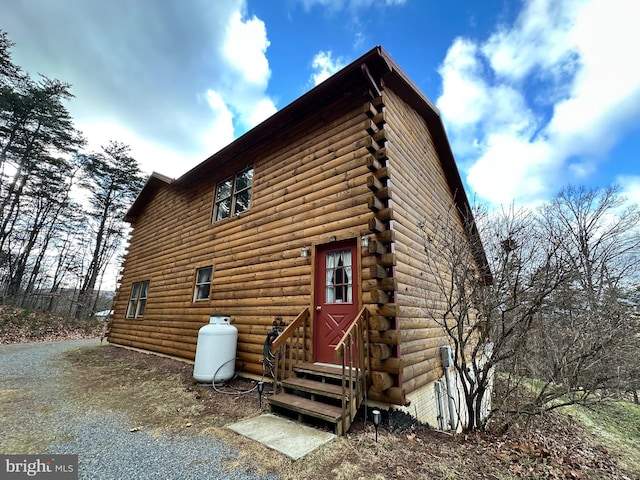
<point>312,386</point>
<point>306,406</point>
<point>334,371</point>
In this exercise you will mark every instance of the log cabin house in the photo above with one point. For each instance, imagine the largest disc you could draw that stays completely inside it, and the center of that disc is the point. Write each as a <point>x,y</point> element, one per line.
<point>312,218</point>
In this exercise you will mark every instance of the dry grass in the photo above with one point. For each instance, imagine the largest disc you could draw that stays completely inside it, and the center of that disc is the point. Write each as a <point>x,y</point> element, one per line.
<point>156,393</point>
<point>18,403</point>
<point>159,395</point>
<point>617,424</point>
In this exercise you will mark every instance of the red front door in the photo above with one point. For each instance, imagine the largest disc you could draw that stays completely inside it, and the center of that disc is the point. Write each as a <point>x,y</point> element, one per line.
<point>336,296</point>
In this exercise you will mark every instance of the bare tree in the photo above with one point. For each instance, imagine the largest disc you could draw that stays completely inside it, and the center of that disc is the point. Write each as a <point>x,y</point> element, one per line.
<point>557,322</point>
<point>43,249</point>
<point>113,179</point>
<point>585,345</point>
<point>37,136</point>
<point>487,323</point>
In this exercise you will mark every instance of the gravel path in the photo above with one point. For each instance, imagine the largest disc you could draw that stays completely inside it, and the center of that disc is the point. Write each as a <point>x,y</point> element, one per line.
<point>36,417</point>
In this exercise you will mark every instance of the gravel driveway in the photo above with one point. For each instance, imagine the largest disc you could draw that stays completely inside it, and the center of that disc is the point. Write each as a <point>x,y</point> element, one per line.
<point>36,417</point>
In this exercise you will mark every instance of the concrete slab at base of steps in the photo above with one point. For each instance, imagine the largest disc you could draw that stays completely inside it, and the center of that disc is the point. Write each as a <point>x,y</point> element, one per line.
<point>290,438</point>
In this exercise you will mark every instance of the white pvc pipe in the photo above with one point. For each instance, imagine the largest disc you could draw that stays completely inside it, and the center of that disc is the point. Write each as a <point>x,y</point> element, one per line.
<point>439,393</point>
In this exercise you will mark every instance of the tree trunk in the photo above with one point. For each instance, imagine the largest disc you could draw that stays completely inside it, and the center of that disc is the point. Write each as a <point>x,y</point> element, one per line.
<point>89,283</point>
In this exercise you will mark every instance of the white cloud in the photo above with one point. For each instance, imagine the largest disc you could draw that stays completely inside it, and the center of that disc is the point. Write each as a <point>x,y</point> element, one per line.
<point>262,110</point>
<point>245,48</point>
<point>354,9</point>
<point>246,79</point>
<point>539,39</point>
<point>464,100</point>
<point>324,65</point>
<point>146,76</point>
<point>221,129</point>
<point>540,102</point>
<point>485,119</point>
<point>630,188</point>
<point>150,155</point>
<point>509,166</point>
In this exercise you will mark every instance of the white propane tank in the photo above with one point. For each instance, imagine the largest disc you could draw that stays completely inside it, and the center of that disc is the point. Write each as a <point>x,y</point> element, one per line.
<point>216,351</point>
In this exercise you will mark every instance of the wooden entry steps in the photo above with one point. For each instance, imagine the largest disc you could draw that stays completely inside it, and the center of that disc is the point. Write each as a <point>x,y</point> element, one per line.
<point>313,387</point>
<point>306,407</point>
<point>320,370</point>
<point>314,393</point>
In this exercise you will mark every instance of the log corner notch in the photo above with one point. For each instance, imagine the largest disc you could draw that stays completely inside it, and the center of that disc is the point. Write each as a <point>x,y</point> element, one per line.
<point>385,365</point>
<point>379,225</point>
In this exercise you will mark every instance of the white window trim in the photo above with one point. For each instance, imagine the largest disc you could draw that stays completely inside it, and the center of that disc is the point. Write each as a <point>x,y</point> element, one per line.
<point>198,284</point>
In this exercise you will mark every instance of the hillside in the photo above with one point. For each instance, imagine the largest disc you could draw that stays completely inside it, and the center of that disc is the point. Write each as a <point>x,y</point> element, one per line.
<point>18,325</point>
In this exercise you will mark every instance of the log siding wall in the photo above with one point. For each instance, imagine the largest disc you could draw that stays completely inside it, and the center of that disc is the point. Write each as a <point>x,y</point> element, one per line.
<point>308,186</point>
<point>421,193</point>
<point>358,166</point>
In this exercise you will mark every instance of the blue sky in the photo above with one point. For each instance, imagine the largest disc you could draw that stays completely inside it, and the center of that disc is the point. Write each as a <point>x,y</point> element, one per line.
<point>534,94</point>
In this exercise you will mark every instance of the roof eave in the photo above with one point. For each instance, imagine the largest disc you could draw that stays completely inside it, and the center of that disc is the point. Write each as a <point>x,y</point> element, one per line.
<point>151,186</point>
<point>329,88</point>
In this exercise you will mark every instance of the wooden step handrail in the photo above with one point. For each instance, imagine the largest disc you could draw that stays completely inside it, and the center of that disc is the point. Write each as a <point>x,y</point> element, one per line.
<point>292,342</point>
<point>289,330</point>
<point>352,353</point>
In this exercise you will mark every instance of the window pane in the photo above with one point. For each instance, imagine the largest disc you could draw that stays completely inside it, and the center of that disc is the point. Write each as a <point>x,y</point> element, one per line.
<point>223,209</point>
<point>131,310</point>
<point>338,277</point>
<point>204,275</point>
<point>138,299</point>
<point>202,291</point>
<point>141,305</point>
<point>203,283</point>
<point>224,189</point>
<point>329,274</point>
<point>244,179</point>
<point>145,289</point>
<point>347,276</point>
<point>233,196</point>
<point>242,202</point>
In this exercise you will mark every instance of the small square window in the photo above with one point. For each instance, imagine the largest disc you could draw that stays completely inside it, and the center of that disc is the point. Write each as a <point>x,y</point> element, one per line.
<point>138,299</point>
<point>203,283</point>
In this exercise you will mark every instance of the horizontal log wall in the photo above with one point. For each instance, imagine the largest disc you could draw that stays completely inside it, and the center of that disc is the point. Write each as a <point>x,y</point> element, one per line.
<point>420,194</point>
<point>310,184</point>
<point>356,167</point>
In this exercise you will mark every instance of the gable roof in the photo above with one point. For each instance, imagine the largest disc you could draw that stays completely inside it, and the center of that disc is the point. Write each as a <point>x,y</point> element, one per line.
<point>151,186</point>
<point>376,63</point>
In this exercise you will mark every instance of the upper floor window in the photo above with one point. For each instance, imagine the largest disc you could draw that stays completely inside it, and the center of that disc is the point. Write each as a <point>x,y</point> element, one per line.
<point>203,283</point>
<point>233,195</point>
<point>138,299</point>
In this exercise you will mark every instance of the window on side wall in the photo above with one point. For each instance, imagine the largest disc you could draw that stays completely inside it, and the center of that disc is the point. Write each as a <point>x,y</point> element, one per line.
<point>138,299</point>
<point>233,195</point>
<point>203,284</point>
